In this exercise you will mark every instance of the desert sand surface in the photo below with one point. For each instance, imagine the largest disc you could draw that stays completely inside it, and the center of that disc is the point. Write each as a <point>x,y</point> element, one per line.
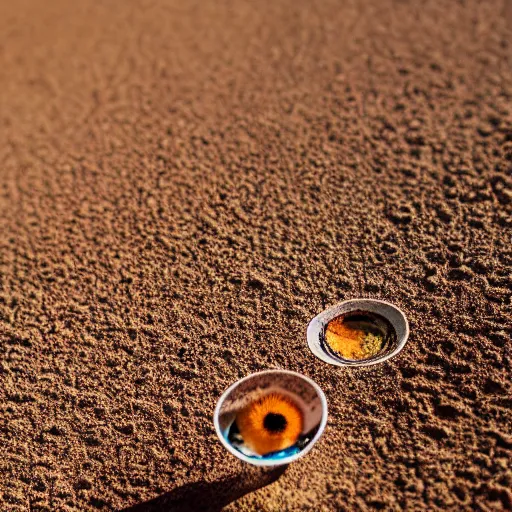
<point>186,184</point>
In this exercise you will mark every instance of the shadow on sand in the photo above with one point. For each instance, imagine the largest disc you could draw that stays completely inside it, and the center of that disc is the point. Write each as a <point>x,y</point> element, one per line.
<point>210,496</point>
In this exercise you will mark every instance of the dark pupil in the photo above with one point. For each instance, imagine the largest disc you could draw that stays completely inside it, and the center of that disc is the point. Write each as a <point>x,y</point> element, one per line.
<point>274,422</point>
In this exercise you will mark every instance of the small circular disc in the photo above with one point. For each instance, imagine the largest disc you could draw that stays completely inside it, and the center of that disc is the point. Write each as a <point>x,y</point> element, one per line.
<point>388,319</point>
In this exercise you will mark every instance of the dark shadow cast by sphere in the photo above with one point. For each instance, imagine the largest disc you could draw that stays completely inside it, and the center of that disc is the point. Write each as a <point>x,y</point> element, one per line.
<point>210,496</point>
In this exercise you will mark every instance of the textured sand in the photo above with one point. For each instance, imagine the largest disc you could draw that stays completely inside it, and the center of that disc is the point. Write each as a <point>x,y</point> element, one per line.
<point>184,185</point>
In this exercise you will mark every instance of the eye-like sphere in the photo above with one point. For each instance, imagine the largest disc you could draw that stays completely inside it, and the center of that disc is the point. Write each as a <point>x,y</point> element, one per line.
<point>270,424</point>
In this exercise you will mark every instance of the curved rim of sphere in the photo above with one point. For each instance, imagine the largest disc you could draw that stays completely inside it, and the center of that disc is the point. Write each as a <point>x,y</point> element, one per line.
<point>269,462</point>
<point>394,315</point>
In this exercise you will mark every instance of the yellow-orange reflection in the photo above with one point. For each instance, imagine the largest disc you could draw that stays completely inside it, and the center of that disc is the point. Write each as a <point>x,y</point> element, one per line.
<point>352,340</point>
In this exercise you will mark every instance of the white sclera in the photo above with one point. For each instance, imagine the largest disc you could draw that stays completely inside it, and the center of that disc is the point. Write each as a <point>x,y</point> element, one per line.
<point>305,392</point>
<point>391,313</point>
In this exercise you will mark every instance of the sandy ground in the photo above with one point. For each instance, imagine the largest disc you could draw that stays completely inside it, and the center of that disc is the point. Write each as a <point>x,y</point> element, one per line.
<point>184,185</point>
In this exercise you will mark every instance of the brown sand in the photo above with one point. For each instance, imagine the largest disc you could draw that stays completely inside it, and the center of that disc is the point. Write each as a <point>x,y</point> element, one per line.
<point>184,185</point>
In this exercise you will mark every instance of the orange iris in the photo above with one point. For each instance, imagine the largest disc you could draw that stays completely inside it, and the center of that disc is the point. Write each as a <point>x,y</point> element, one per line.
<point>270,424</point>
